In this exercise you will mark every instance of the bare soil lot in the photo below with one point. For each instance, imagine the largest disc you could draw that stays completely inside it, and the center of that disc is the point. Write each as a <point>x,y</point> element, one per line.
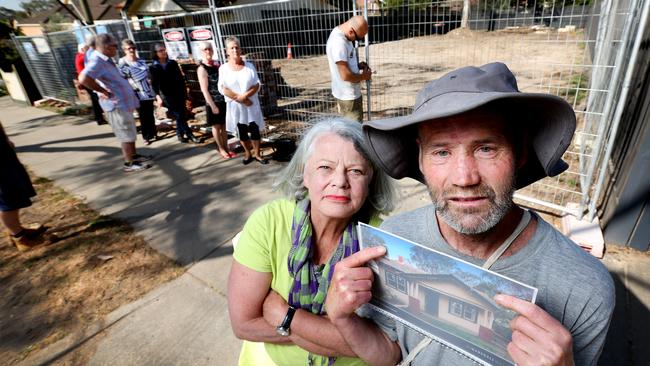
<point>543,60</point>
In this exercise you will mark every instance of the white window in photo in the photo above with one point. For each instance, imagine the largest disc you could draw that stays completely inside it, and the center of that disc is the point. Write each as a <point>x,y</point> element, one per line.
<point>463,310</point>
<point>391,279</point>
<point>469,313</point>
<point>456,308</point>
<point>401,284</point>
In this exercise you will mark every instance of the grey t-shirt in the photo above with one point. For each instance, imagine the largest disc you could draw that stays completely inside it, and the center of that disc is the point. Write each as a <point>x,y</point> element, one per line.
<point>574,287</point>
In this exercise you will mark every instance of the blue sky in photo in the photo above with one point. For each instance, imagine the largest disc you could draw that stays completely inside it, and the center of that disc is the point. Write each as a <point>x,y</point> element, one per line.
<point>400,247</point>
<point>11,4</point>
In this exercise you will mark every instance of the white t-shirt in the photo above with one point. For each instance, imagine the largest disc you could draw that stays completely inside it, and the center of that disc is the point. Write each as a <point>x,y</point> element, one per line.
<point>340,48</point>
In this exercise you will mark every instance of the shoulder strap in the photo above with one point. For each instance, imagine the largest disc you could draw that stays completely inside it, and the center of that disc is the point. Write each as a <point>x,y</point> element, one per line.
<point>423,343</point>
<point>525,219</point>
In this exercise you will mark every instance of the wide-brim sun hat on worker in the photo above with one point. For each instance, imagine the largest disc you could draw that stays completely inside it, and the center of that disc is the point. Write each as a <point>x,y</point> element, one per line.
<point>549,121</point>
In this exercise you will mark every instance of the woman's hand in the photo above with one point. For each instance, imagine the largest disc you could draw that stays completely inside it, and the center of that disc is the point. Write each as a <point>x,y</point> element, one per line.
<point>159,101</point>
<point>243,99</point>
<point>351,284</point>
<point>350,288</point>
<point>214,108</point>
<point>274,308</point>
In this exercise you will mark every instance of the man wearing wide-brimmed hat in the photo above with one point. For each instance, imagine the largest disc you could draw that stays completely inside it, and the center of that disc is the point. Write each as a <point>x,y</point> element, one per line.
<point>474,139</point>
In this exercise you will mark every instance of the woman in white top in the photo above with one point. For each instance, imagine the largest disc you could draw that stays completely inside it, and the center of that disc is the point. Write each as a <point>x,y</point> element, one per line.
<point>239,83</point>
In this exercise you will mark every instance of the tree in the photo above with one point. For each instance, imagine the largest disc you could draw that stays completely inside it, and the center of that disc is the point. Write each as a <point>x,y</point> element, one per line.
<point>8,53</point>
<point>430,262</point>
<point>36,6</point>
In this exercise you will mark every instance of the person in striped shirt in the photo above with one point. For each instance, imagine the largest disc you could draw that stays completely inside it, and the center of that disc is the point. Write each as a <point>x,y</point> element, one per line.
<point>116,97</point>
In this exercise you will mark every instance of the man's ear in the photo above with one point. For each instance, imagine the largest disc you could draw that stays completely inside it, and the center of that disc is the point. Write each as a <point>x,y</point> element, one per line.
<point>522,155</point>
<point>417,141</point>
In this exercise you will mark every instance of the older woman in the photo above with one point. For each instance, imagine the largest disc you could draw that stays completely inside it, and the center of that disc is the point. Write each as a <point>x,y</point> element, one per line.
<point>239,83</point>
<point>215,104</point>
<point>169,84</point>
<point>136,71</point>
<point>286,254</point>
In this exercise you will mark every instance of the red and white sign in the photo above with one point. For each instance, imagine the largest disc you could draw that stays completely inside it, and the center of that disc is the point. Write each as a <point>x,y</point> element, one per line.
<point>174,36</point>
<point>201,35</point>
<point>175,43</point>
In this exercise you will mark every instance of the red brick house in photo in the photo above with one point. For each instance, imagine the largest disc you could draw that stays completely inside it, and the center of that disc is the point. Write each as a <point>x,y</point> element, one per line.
<point>441,296</point>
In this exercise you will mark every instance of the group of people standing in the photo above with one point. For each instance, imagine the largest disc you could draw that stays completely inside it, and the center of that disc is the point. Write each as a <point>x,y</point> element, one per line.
<point>230,92</point>
<point>232,104</point>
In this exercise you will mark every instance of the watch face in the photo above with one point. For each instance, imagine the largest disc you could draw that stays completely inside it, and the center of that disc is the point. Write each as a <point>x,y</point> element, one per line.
<point>282,331</point>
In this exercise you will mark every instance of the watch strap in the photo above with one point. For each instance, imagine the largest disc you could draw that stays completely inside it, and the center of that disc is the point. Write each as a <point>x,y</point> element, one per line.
<point>286,322</point>
<point>284,327</point>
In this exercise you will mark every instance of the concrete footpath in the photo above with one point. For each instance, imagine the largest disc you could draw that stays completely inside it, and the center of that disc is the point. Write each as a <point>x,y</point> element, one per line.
<point>188,207</point>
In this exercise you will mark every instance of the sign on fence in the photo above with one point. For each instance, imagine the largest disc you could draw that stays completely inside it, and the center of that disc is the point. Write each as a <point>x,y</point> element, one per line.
<point>175,43</point>
<point>198,35</point>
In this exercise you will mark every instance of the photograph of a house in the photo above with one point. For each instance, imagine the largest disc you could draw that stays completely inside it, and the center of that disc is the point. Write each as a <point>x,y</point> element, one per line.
<point>445,298</point>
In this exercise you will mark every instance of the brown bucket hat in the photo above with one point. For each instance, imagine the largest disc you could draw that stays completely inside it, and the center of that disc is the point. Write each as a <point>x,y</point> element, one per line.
<point>548,119</point>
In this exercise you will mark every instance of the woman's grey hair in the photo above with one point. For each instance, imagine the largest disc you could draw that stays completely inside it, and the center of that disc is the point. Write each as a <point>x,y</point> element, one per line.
<point>127,42</point>
<point>232,39</point>
<point>290,180</point>
<point>205,45</point>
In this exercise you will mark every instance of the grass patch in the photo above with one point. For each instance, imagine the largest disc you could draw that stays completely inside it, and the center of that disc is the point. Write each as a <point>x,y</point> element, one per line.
<point>41,180</point>
<point>67,284</point>
<point>578,85</point>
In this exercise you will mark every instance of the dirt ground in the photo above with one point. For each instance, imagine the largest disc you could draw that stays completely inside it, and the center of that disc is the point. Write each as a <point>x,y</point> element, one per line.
<point>97,265</point>
<point>543,61</point>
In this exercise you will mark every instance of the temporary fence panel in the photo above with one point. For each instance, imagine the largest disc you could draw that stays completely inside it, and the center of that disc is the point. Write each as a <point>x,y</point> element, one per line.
<point>577,52</point>
<point>624,31</point>
<point>45,69</point>
<point>549,48</point>
<point>286,42</point>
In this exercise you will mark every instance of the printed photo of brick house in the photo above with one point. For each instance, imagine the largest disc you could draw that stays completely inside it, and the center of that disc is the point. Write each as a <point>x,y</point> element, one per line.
<point>443,297</point>
<point>437,295</point>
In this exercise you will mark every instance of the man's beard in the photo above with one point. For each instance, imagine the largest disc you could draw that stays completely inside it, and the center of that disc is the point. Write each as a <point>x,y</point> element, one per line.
<point>499,205</point>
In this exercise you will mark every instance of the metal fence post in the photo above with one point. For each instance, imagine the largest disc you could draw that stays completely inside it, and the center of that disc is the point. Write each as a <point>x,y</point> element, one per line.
<point>609,107</point>
<point>127,27</point>
<point>367,49</point>
<point>217,29</point>
<point>620,105</point>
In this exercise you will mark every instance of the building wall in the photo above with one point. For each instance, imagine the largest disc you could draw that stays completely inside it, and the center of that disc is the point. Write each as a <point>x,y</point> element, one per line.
<point>443,311</point>
<point>14,86</point>
<point>30,30</point>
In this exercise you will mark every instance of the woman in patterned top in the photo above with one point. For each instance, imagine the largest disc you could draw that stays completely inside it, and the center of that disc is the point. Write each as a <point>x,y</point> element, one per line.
<point>136,71</point>
<point>215,104</point>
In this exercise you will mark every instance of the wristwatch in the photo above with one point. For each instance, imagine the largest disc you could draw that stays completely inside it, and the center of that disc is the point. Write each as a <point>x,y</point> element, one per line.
<point>284,329</point>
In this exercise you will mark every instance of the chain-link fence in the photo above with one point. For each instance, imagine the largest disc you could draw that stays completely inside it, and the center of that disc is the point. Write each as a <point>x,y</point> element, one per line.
<point>579,52</point>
